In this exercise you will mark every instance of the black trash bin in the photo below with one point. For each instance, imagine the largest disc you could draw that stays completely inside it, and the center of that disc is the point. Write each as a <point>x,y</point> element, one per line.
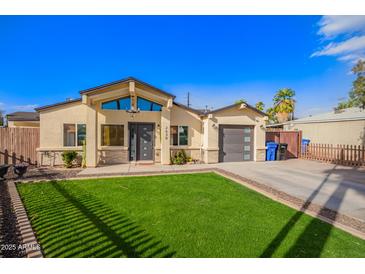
<point>282,152</point>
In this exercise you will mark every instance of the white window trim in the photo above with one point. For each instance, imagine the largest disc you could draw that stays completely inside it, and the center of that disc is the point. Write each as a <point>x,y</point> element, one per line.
<point>76,135</point>
<point>178,136</point>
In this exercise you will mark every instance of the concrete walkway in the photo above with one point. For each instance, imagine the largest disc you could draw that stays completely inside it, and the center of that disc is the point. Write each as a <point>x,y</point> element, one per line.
<point>336,187</point>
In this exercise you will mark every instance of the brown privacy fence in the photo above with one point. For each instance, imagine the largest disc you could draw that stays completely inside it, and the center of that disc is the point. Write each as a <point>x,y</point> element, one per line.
<point>18,145</point>
<point>336,154</point>
<point>292,138</point>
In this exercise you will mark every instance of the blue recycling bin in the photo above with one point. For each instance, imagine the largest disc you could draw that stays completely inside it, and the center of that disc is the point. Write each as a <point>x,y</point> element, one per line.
<point>305,143</point>
<point>271,149</point>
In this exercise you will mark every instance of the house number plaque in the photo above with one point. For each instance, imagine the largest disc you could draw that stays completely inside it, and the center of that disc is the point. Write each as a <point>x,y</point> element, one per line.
<point>166,133</point>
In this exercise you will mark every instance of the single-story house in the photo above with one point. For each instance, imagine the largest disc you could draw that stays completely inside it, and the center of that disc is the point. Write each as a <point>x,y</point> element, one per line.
<point>130,120</point>
<point>23,119</point>
<point>342,127</point>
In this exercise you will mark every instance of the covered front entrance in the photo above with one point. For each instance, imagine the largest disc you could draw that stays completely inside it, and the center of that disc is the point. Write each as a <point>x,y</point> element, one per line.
<point>235,143</point>
<point>141,141</point>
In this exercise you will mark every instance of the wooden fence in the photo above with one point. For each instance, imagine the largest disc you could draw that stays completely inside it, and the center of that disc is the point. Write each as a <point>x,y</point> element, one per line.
<point>349,155</point>
<point>18,145</point>
<point>292,138</point>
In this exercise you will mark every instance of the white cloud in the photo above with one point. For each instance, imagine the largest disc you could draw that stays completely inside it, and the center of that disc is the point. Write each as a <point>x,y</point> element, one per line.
<point>333,25</point>
<point>24,107</point>
<point>352,47</point>
<point>345,37</point>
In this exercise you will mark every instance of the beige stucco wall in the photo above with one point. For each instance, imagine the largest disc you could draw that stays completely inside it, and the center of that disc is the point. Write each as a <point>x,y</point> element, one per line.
<point>52,120</point>
<point>183,117</point>
<point>51,131</point>
<point>23,124</point>
<point>342,133</point>
<point>117,117</point>
<point>203,135</point>
<point>233,116</point>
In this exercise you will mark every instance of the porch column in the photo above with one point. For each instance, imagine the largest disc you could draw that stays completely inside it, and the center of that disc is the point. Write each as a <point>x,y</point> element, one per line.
<point>91,134</point>
<point>165,135</point>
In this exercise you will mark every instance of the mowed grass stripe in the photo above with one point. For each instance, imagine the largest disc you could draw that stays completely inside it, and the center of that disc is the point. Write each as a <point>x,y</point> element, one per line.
<point>185,215</point>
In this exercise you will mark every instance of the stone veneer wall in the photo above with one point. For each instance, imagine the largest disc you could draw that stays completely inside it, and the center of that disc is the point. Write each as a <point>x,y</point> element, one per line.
<point>195,153</point>
<point>54,157</point>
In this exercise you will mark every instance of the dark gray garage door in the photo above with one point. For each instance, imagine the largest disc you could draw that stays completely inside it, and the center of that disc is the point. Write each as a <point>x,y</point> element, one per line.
<point>235,143</point>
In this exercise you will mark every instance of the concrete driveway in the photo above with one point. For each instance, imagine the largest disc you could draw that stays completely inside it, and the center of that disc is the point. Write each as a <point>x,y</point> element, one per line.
<point>336,187</point>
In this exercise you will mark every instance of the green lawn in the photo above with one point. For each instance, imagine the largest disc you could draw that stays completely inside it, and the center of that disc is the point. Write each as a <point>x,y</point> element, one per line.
<point>187,215</point>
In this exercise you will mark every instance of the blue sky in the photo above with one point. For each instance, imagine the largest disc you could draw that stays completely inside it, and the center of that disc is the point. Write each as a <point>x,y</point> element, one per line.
<point>218,59</point>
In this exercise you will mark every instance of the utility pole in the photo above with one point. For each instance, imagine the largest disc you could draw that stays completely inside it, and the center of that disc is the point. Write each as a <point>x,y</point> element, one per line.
<point>188,99</point>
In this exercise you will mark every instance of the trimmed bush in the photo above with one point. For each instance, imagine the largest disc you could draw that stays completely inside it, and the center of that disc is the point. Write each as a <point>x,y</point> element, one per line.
<point>179,158</point>
<point>68,157</point>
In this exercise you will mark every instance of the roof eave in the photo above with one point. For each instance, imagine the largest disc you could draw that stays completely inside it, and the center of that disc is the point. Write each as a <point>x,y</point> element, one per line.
<point>57,104</point>
<point>233,105</point>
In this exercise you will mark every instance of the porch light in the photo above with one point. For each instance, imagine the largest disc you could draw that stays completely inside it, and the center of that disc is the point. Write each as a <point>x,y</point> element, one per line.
<point>132,110</point>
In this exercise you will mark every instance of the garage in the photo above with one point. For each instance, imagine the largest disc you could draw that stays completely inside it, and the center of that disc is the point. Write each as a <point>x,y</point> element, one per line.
<point>235,143</point>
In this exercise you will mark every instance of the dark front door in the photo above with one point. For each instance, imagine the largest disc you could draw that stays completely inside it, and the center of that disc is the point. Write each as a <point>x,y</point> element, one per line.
<point>235,143</point>
<point>141,142</point>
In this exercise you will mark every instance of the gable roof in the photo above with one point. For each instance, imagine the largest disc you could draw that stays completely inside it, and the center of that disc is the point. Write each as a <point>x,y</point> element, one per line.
<point>125,80</point>
<point>234,105</point>
<point>333,116</point>
<point>23,116</point>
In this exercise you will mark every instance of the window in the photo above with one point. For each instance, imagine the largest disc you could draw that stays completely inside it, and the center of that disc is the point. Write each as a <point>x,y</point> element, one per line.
<point>146,105</point>
<point>71,137</point>
<point>119,104</point>
<point>179,135</point>
<point>112,135</point>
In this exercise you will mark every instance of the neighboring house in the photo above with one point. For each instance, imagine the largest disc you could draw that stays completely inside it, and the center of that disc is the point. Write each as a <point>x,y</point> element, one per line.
<point>23,119</point>
<point>346,127</point>
<point>129,120</point>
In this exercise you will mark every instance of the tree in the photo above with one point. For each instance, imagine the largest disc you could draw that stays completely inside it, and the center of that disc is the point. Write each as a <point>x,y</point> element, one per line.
<point>343,105</point>
<point>240,101</point>
<point>284,100</point>
<point>1,118</point>
<point>271,115</point>
<point>260,106</point>
<point>284,104</point>
<point>357,92</point>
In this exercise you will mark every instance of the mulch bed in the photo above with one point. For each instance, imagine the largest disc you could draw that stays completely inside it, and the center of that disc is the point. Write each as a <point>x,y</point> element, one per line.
<point>9,232</point>
<point>43,173</point>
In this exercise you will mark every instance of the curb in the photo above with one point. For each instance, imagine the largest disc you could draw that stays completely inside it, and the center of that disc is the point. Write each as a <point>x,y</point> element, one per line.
<point>30,244</point>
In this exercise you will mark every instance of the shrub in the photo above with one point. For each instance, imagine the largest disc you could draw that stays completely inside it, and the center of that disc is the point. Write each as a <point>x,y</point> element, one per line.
<point>68,157</point>
<point>179,158</point>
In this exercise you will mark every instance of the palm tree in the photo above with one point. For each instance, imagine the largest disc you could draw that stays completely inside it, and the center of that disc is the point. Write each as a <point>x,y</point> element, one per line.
<point>240,101</point>
<point>284,103</point>
<point>260,106</point>
<point>272,115</point>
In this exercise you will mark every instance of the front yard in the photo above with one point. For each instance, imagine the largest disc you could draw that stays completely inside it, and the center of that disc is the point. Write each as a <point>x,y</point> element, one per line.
<point>185,215</point>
